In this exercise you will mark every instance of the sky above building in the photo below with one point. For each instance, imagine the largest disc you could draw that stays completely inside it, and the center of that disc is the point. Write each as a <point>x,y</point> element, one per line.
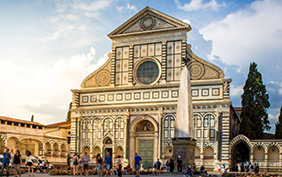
<point>49,47</point>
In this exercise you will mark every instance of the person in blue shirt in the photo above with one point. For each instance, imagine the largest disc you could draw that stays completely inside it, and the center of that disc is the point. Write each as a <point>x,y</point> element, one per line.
<point>109,162</point>
<point>158,165</point>
<point>6,161</point>
<point>137,162</point>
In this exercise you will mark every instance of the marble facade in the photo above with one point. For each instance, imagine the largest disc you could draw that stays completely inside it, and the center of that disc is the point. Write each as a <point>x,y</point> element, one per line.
<point>122,109</point>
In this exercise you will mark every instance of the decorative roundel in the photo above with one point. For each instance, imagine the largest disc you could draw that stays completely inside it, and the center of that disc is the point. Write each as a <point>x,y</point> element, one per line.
<point>148,22</point>
<point>197,70</point>
<point>103,77</point>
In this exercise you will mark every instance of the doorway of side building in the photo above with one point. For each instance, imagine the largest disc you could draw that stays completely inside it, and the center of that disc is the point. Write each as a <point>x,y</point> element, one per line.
<point>240,154</point>
<point>146,151</point>
<point>108,147</point>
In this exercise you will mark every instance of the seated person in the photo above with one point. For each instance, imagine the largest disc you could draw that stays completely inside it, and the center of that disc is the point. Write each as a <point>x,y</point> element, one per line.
<point>196,171</point>
<point>189,171</point>
<point>202,171</point>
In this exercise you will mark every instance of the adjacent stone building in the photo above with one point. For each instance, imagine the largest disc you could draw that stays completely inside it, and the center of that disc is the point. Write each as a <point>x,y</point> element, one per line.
<point>129,104</point>
<point>50,141</point>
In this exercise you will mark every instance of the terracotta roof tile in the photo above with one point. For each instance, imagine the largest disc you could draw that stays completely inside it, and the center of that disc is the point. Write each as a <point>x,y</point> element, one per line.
<point>59,124</point>
<point>19,120</point>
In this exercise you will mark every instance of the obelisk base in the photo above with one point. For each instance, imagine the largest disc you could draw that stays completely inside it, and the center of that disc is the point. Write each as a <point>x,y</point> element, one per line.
<point>184,147</point>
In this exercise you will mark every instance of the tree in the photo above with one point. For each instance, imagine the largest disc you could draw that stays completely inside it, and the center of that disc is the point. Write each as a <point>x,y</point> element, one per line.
<point>254,105</point>
<point>69,112</point>
<point>278,126</point>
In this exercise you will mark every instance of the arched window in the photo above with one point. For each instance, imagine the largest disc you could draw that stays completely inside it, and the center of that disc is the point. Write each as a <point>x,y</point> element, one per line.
<point>97,128</point>
<point>119,128</point>
<point>168,127</point>
<point>86,126</point>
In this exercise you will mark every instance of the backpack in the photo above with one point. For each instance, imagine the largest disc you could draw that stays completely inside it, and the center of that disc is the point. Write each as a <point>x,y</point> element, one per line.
<point>252,167</point>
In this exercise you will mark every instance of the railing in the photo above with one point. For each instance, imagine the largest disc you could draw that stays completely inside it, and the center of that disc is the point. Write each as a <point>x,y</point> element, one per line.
<point>208,163</point>
<point>260,163</point>
<point>274,164</point>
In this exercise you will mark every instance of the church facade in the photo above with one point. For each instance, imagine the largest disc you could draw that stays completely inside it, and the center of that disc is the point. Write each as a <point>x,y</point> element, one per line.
<point>129,104</point>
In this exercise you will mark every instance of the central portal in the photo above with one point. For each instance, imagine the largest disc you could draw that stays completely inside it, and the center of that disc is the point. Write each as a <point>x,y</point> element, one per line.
<point>144,140</point>
<point>146,151</point>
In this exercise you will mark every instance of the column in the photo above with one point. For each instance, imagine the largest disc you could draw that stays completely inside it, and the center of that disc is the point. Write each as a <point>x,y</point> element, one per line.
<point>163,77</point>
<point>126,116</point>
<point>73,135</point>
<point>132,148</point>
<point>155,146</point>
<point>160,133</point>
<point>266,159</point>
<point>91,152</point>
<point>51,149</point>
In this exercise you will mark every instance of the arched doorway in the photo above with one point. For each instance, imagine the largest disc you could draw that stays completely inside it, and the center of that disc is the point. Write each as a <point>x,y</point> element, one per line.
<point>144,140</point>
<point>108,143</point>
<point>240,154</point>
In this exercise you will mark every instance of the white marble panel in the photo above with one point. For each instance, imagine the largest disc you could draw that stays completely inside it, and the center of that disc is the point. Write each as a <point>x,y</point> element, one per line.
<point>151,50</point>
<point>158,49</point>
<point>125,52</point>
<point>136,51</point>
<point>119,53</point>
<point>144,51</point>
<point>177,47</point>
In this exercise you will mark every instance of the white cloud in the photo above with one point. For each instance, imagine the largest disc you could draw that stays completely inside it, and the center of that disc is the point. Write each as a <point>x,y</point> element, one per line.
<point>236,91</point>
<point>126,8</point>
<point>247,35</point>
<point>199,5</point>
<point>187,21</point>
<point>43,91</point>
<point>93,6</point>
<point>271,116</point>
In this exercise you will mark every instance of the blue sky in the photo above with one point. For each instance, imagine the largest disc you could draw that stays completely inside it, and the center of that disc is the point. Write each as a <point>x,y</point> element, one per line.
<point>49,47</point>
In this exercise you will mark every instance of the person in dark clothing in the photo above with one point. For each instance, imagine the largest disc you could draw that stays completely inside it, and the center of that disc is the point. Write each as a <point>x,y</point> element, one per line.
<point>17,163</point>
<point>119,166</point>
<point>256,168</point>
<point>179,165</point>
<point>171,165</point>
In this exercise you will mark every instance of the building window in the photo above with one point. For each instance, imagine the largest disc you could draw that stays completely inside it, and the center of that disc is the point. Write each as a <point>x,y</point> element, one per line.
<point>199,133</point>
<point>119,128</point>
<point>169,126</point>
<point>205,133</point>
<point>212,133</point>
<point>147,72</point>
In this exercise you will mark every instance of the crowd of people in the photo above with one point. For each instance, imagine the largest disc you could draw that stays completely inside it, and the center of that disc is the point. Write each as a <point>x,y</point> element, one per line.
<point>245,167</point>
<point>16,161</point>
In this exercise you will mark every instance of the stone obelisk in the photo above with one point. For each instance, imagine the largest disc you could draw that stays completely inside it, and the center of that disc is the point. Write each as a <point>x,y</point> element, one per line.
<point>184,137</point>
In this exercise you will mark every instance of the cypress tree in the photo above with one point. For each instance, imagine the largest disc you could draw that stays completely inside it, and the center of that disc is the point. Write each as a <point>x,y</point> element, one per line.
<point>254,105</point>
<point>278,126</point>
<point>69,112</point>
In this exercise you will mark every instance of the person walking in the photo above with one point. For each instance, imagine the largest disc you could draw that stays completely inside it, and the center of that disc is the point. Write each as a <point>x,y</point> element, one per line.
<point>29,164</point>
<point>119,163</point>
<point>167,166</point>
<point>80,165</point>
<point>17,163</point>
<point>86,160</point>
<point>171,165</point>
<point>74,164</point>
<point>179,164</point>
<point>239,167</point>
<point>137,163</point>
<point>256,168</point>
<point>251,167</point>
<point>158,165</point>
<point>99,163</point>
<point>6,161</point>
<point>109,162</point>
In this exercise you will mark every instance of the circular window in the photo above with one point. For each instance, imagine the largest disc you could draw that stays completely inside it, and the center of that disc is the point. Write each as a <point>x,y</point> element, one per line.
<point>147,72</point>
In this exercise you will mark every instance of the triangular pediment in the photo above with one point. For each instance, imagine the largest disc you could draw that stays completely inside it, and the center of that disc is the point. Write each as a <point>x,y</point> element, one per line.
<point>147,21</point>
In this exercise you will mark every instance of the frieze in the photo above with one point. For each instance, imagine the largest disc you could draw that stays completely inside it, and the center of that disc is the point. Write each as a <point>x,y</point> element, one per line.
<point>164,35</point>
